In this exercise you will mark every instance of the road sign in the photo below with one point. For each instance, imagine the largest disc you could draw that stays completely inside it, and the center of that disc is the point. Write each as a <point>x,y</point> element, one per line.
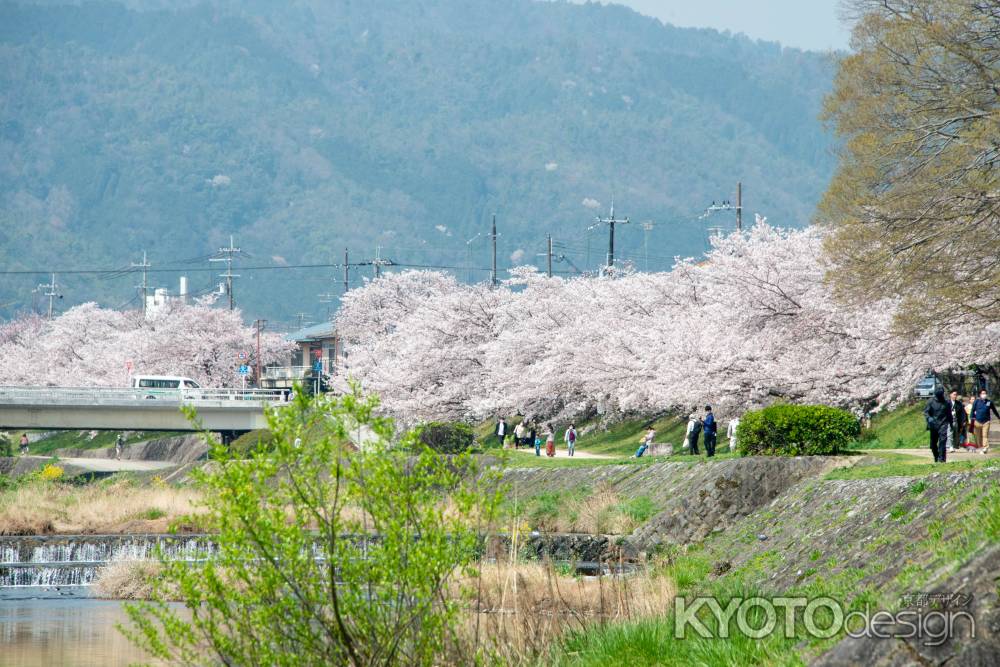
<point>244,369</point>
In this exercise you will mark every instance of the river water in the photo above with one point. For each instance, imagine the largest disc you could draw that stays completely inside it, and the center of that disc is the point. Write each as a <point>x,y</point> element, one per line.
<point>72,630</point>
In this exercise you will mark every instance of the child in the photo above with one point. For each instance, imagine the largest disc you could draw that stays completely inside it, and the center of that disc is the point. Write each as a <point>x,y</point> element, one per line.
<point>538,446</point>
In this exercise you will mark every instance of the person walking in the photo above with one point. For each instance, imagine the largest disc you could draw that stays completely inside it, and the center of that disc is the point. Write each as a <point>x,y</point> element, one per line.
<point>711,431</point>
<point>938,416</point>
<point>520,433</point>
<point>693,432</point>
<point>550,444</point>
<point>981,409</point>
<point>570,438</point>
<point>500,431</point>
<point>538,446</point>
<point>734,424</point>
<point>959,421</point>
<point>119,444</point>
<point>24,444</point>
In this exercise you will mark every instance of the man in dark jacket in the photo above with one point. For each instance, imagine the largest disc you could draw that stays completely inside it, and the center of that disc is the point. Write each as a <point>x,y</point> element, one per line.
<point>938,416</point>
<point>959,421</point>
<point>711,430</point>
<point>501,430</point>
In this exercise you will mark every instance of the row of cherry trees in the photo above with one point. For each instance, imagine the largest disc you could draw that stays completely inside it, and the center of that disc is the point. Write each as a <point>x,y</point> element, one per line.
<point>92,346</point>
<point>751,323</point>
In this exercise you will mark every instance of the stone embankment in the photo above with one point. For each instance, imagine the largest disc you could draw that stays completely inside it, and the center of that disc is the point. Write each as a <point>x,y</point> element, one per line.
<point>693,500</point>
<point>174,449</point>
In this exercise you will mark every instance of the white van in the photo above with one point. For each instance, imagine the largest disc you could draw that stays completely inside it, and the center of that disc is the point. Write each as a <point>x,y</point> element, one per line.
<point>165,385</point>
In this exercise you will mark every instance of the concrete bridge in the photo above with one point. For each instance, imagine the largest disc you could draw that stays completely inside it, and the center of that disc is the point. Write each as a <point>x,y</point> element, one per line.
<point>229,411</point>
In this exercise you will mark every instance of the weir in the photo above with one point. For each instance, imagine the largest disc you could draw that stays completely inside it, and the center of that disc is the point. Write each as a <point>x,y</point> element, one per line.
<point>53,563</point>
<point>72,561</point>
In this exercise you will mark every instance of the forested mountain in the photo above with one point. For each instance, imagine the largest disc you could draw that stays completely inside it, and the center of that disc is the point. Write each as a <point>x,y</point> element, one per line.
<point>305,126</point>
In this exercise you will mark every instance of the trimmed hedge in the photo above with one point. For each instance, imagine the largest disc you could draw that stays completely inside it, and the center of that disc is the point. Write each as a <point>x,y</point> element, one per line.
<point>796,430</point>
<point>446,437</point>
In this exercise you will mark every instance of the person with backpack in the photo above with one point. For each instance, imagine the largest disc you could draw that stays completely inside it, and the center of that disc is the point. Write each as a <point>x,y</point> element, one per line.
<point>570,438</point>
<point>938,416</point>
<point>981,409</point>
<point>693,432</point>
<point>24,444</point>
<point>711,431</point>
<point>119,444</point>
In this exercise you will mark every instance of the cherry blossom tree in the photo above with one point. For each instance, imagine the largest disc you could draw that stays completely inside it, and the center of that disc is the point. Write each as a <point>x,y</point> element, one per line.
<point>750,323</point>
<point>90,346</point>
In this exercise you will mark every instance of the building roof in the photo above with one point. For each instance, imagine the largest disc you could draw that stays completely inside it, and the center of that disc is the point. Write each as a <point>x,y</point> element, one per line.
<point>315,332</point>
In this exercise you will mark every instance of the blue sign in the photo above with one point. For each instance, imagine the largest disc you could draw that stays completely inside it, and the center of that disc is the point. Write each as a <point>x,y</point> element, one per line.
<point>318,366</point>
<point>244,369</point>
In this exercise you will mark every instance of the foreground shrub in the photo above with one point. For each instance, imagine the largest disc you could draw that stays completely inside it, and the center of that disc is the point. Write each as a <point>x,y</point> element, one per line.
<point>446,437</point>
<point>796,430</point>
<point>325,555</point>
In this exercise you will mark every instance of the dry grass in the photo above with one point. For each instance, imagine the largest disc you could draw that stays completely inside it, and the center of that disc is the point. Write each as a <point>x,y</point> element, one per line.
<point>120,507</point>
<point>602,511</point>
<point>520,610</point>
<point>127,579</point>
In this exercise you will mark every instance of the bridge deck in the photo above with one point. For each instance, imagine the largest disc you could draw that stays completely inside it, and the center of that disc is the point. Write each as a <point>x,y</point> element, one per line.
<point>134,409</point>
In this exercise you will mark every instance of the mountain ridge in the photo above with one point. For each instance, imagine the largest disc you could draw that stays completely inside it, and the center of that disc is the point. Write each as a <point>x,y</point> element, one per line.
<point>311,127</point>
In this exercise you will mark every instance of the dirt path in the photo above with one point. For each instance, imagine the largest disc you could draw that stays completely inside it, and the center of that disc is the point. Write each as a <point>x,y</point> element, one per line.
<point>112,465</point>
<point>925,453</point>
<point>561,453</point>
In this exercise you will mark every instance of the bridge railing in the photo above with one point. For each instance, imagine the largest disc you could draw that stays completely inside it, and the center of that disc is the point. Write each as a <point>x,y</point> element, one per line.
<point>104,395</point>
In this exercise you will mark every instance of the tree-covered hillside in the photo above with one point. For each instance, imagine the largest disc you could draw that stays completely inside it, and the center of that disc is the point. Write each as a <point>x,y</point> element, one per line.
<point>305,126</point>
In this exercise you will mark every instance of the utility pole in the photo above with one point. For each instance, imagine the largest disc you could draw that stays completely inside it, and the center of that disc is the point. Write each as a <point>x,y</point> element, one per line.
<point>378,262</point>
<point>327,298</point>
<point>260,325</point>
<point>468,257</point>
<point>493,240</point>
<point>739,206</point>
<point>228,275</point>
<point>611,221</point>
<point>347,272</point>
<point>51,292</point>
<point>647,227</point>
<point>547,255</point>
<point>145,285</point>
<point>550,255</point>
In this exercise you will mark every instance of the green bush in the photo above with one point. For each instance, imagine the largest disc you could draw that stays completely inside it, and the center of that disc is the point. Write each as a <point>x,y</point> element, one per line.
<point>796,430</point>
<point>446,437</point>
<point>6,446</point>
<point>251,442</point>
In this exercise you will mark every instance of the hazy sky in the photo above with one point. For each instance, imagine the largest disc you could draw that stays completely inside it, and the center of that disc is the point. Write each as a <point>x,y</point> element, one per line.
<point>807,24</point>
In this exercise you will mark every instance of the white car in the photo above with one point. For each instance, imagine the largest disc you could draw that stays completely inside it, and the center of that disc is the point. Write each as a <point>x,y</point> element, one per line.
<point>927,387</point>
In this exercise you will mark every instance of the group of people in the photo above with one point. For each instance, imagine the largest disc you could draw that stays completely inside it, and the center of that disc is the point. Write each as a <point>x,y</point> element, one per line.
<point>953,424</point>
<point>526,434</point>
<point>709,426</point>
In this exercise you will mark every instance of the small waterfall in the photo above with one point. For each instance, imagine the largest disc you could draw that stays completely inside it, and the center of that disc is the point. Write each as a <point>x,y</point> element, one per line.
<point>68,561</point>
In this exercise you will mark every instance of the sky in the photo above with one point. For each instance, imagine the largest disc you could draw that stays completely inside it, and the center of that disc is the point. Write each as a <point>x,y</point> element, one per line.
<point>806,24</point>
